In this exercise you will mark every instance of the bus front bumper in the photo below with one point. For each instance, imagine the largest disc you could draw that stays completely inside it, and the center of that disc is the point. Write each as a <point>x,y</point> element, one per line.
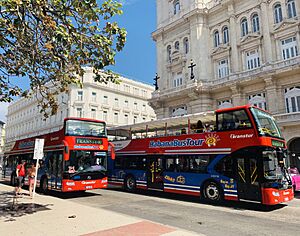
<point>69,185</point>
<point>272,196</point>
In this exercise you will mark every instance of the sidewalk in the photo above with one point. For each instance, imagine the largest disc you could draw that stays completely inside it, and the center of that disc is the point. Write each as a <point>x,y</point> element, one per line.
<point>46,215</point>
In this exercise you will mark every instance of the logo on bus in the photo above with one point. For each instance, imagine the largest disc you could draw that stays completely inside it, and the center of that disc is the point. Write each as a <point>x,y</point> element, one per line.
<point>88,141</point>
<point>212,139</point>
<point>189,142</point>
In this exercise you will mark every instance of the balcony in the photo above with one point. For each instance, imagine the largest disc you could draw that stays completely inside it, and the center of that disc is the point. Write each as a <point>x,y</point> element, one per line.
<point>288,118</point>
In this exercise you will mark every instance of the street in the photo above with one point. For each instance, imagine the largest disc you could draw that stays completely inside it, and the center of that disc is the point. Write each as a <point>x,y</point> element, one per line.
<point>230,218</point>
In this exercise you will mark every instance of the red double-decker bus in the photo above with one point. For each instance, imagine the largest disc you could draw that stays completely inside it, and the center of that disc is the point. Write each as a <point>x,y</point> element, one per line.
<point>75,157</point>
<point>230,154</point>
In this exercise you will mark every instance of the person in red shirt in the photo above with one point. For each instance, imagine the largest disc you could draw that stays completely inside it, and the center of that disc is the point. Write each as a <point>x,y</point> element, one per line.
<point>20,172</point>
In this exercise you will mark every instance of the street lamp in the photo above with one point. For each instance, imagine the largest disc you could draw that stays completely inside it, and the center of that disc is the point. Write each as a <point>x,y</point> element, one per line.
<point>191,66</point>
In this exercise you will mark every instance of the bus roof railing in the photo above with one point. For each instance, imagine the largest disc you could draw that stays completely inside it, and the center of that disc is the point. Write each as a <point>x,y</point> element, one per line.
<point>162,124</point>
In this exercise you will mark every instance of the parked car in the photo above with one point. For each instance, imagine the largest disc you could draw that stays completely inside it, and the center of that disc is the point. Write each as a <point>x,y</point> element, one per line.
<point>294,172</point>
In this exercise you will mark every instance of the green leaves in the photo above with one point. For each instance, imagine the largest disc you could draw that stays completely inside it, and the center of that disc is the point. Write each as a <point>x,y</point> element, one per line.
<point>50,41</point>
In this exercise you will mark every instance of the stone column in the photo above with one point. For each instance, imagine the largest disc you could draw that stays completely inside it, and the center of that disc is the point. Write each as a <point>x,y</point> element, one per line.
<point>272,95</point>
<point>266,32</point>
<point>238,98</point>
<point>233,41</point>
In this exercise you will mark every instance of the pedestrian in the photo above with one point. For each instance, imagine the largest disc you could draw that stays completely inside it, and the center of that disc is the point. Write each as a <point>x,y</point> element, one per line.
<point>31,178</point>
<point>20,172</point>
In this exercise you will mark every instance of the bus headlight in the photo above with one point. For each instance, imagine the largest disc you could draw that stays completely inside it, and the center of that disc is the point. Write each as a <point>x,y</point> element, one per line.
<point>276,194</point>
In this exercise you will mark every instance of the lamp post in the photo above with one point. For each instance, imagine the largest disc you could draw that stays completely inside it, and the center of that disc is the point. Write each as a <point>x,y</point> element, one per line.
<point>191,66</point>
<point>155,81</point>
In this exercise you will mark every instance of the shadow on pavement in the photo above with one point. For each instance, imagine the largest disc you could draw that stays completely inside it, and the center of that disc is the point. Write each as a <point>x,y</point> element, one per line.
<point>240,206</point>
<point>11,207</point>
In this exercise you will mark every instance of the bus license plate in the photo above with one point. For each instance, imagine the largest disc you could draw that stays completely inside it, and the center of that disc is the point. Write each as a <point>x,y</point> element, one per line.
<point>88,187</point>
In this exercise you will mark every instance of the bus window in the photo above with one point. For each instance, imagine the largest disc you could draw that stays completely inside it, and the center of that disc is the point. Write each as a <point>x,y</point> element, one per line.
<point>170,165</point>
<point>118,162</point>
<point>233,120</point>
<point>225,167</point>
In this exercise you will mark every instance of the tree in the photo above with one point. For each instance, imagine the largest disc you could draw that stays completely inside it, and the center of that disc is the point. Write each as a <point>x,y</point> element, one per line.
<point>50,41</point>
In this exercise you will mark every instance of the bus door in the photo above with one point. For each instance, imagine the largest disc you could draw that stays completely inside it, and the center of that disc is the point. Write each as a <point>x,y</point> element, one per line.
<point>155,173</point>
<point>247,178</point>
<point>55,169</point>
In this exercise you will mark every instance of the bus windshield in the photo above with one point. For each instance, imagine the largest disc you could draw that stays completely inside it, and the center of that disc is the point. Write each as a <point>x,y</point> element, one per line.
<point>86,161</point>
<point>266,123</point>
<point>85,128</point>
<point>272,170</point>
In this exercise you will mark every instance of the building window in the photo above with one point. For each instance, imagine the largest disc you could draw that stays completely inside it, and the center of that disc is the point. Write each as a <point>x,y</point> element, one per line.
<point>126,103</point>
<point>216,39</point>
<point>186,45</point>
<point>104,115</point>
<point>225,104</point>
<point>116,118</point>
<point>179,111</point>
<point>79,95</point>
<point>135,106</point>
<point>177,81</point>
<point>105,100</point>
<point>223,69</point>
<point>176,45</point>
<point>289,48</point>
<point>144,107</point>
<point>244,27</point>
<point>116,102</point>
<point>255,23</point>
<point>291,8</point>
<point>126,88</point>
<point>134,119</point>
<point>169,51</point>
<point>144,93</point>
<point>94,96</point>
<point>176,6</point>
<point>277,13</point>
<point>136,91</point>
<point>93,113</point>
<point>126,119</point>
<point>79,112</point>
<point>258,100</point>
<point>225,35</point>
<point>252,60</point>
<point>292,99</point>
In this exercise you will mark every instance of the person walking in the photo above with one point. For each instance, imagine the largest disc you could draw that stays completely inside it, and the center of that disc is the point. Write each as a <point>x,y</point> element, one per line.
<point>20,172</point>
<point>31,178</point>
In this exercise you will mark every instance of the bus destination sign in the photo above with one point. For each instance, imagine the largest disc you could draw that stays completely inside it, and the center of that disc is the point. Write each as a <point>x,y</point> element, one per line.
<point>88,141</point>
<point>276,143</point>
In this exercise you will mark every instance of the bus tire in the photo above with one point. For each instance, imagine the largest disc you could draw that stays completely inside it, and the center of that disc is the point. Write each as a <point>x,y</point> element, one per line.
<point>44,185</point>
<point>130,183</point>
<point>212,192</point>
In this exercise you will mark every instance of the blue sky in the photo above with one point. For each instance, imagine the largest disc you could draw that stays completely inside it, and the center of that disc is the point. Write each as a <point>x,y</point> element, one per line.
<point>138,58</point>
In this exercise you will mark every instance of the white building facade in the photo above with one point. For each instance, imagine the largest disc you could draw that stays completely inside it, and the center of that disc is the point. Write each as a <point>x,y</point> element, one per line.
<point>2,138</point>
<point>244,52</point>
<point>117,104</point>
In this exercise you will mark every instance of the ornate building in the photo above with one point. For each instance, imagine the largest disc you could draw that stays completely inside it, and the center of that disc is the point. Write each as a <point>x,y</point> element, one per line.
<point>242,52</point>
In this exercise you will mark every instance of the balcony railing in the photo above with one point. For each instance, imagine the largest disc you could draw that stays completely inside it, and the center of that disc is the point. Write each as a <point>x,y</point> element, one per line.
<point>287,117</point>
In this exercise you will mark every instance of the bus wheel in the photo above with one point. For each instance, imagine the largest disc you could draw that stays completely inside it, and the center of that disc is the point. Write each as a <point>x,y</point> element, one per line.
<point>130,184</point>
<point>212,192</point>
<point>44,185</point>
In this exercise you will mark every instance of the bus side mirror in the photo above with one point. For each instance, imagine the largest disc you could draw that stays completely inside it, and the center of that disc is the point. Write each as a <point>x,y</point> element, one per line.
<point>112,150</point>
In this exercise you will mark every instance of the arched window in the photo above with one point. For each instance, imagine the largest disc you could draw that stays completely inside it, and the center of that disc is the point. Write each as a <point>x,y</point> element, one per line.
<point>292,99</point>
<point>186,45</point>
<point>291,8</point>
<point>255,23</point>
<point>169,53</point>
<point>225,35</point>
<point>176,45</point>
<point>244,27</point>
<point>277,13</point>
<point>176,6</point>
<point>258,100</point>
<point>216,38</point>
